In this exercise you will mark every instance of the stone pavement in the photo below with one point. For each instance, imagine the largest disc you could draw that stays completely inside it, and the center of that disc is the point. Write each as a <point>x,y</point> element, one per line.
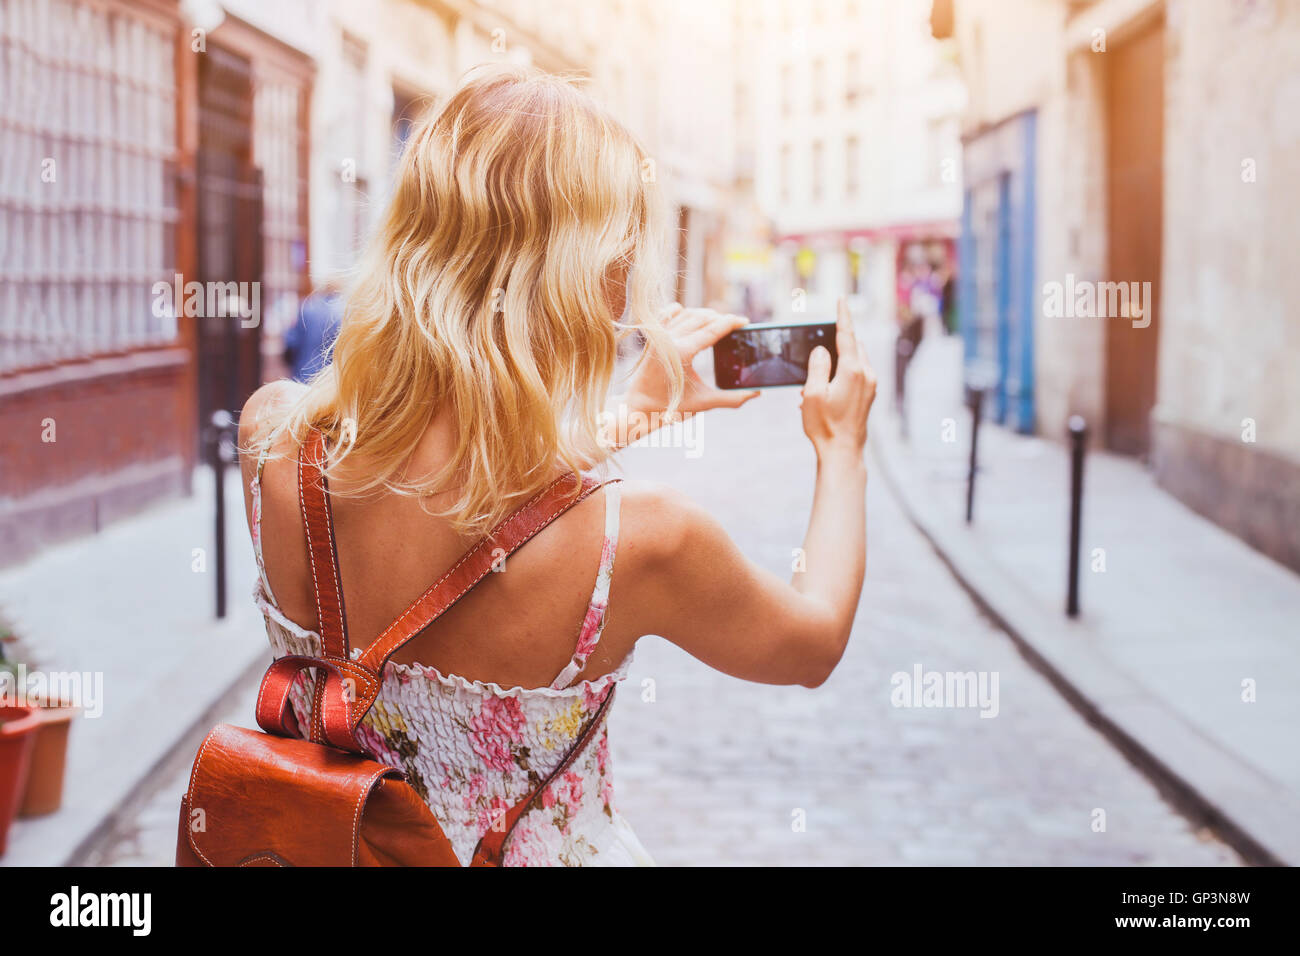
<point>1180,620</point>
<point>143,830</point>
<point>715,770</point>
<point>712,770</point>
<point>129,606</point>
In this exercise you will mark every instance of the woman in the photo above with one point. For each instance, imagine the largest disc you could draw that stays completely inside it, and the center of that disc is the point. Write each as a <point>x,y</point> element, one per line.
<point>520,247</point>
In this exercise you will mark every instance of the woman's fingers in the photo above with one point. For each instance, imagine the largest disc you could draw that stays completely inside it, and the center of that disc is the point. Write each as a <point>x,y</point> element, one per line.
<point>671,316</point>
<point>692,319</point>
<point>714,327</point>
<point>846,343</point>
<point>729,398</point>
<point>865,360</point>
<point>819,373</point>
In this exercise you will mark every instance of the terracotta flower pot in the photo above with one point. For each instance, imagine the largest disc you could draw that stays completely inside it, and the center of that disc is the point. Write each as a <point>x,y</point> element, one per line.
<point>44,793</point>
<point>17,734</point>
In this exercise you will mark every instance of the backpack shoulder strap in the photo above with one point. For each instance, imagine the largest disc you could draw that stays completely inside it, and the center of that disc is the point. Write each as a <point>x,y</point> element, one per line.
<point>351,686</point>
<point>313,496</point>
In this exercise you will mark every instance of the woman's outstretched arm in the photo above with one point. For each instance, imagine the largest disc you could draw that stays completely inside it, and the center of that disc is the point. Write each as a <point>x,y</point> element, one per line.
<point>692,585</point>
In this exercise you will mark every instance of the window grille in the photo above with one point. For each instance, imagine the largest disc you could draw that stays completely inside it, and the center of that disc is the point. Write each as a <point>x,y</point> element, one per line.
<point>277,147</point>
<point>87,187</point>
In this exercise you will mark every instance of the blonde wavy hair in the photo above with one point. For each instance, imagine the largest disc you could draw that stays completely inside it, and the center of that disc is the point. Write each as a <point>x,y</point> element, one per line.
<point>520,216</point>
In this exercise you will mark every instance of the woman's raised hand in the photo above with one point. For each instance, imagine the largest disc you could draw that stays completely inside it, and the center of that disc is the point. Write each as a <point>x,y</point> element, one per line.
<point>692,331</point>
<point>835,410</point>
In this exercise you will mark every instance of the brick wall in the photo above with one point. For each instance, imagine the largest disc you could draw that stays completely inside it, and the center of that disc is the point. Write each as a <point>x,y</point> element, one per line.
<point>122,438</point>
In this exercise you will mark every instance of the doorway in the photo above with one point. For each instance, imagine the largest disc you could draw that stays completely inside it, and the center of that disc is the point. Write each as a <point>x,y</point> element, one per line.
<point>229,231</point>
<point>1134,206</point>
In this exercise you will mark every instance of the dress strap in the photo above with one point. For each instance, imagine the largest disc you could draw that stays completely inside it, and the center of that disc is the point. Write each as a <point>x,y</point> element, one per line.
<point>256,488</point>
<point>594,621</point>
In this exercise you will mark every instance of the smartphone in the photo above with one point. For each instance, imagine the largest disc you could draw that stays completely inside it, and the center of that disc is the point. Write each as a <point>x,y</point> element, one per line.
<point>763,356</point>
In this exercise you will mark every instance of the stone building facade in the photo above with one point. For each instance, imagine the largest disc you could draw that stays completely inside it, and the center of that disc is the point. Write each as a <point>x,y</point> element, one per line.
<point>1164,155</point>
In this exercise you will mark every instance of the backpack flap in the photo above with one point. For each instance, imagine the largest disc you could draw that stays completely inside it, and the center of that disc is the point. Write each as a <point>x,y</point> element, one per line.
<point>258,800</point>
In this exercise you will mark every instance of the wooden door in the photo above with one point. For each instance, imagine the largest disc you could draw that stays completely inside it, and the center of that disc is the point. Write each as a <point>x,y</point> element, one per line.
<point>1135,190</point>
<point>229,228</point>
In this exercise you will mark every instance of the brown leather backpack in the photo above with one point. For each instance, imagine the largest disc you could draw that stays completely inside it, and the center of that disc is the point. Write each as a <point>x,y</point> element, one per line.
<point>288,798</point>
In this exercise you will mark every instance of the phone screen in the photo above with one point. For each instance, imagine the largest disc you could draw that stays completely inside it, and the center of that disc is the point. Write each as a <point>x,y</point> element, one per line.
<point>762,356</point>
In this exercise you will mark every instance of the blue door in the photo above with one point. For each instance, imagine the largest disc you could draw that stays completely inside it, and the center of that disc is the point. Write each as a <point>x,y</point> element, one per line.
<point>996,288</point>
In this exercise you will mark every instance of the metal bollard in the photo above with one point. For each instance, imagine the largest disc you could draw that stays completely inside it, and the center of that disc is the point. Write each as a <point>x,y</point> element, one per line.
<point>977,410</point>
<point>221,452</point>
<point>1078,442</point>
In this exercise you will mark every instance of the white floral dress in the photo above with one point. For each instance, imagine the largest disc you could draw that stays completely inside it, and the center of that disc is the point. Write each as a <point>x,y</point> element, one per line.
<point>474,749</point>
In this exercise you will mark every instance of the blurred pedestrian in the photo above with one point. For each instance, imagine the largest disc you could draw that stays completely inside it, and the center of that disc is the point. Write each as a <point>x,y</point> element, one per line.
<point>913,272</point>
<point>944,280</point>
<point>308,341</point>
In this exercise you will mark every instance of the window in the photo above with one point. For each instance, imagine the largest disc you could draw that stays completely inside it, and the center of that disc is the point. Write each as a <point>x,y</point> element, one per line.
<point>407,109</point>
<point>89,226</point>
<point>278,150</point>
<point>818,171</point>
<point>805,269</point>
<point>819,85</point>
<point>852,79</point>
<point>851,161</point>
<point>352,184</point>
<point>787,156</point>
<point>943,148</point>
<point>855,271</point>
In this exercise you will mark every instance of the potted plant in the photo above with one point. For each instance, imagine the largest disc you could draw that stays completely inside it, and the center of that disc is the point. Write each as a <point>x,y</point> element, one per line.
<point>17,734</point>
<point>43,790</point>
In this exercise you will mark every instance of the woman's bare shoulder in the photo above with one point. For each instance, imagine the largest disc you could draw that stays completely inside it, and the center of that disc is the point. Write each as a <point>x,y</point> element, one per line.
<point>265,409</point>
<point>659,523</point>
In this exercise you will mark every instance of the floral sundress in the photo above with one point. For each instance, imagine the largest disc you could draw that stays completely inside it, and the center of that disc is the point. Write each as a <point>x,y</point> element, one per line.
<point>473,749</point>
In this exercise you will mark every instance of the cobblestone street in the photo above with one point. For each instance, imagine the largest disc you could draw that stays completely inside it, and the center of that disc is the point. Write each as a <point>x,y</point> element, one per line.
<point>712,770</point>
<point>716,770</point>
